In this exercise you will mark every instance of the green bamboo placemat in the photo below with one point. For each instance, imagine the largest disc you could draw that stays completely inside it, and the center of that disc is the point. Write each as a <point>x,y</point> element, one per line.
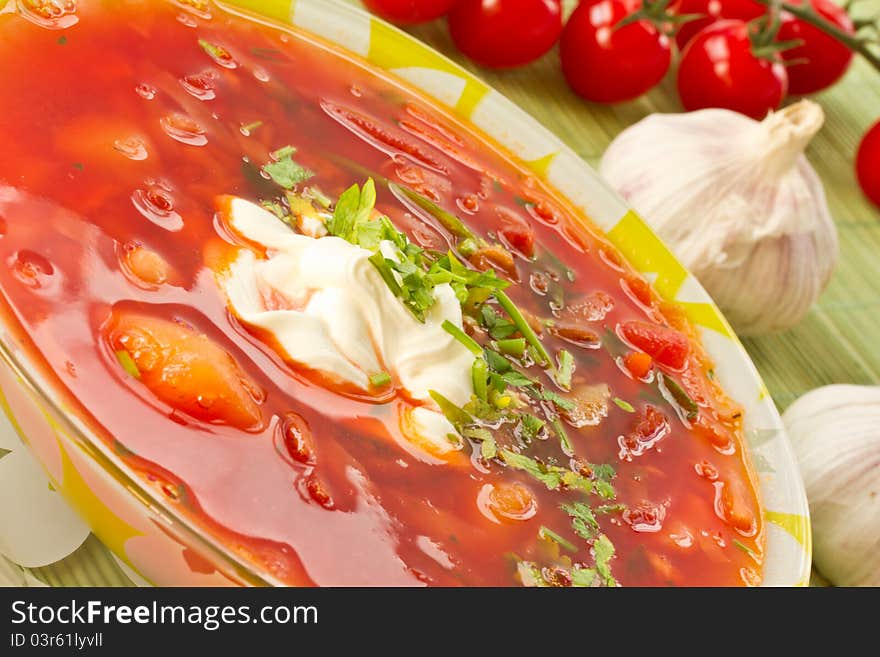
<point>836,343</point>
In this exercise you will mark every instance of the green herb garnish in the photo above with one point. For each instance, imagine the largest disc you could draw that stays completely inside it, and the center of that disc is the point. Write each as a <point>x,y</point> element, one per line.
<point>458,417</point>
<point>469,343</point>
<point>625,405</point>
<point>530,426</point>
<point>480,378</point>
<point>128,364</point>
<point>515,347</point>
<point>603,549</point>
<point>446,219</point>
<point>248,128</point>
<point>564,440</point>
<point>380,379</point>
<point>582,577</point>
<point>565,370</point>
<point>523,326</point>
<point>546,533</point>
<point>284,171</point>
<point>687,404</point>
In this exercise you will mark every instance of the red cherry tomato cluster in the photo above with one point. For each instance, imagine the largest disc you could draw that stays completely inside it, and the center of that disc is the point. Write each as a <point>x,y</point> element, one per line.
<point>616,50</point>
<point>493,33</point>
<point>725,62</point>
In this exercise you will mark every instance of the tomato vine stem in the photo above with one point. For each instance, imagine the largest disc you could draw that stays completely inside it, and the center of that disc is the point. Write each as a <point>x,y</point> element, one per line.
<point>864,46</point>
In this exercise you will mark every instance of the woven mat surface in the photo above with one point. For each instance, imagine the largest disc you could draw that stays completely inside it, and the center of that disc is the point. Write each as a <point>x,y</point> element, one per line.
<point>836,343</point>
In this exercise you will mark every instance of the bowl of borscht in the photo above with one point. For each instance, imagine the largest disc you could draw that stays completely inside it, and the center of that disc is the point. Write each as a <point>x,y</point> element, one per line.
<point>291,299</point>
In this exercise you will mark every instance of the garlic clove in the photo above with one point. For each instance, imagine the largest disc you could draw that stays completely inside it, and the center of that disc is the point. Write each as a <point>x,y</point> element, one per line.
<point>738,203</point>
<point>835,432</point>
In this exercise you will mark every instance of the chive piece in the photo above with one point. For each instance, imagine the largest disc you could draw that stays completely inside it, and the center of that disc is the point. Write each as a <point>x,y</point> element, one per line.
<point>523,326</point>
<point>380,379</point>
<point>564,440</point>
<point>548,534</point>
<point>470,344</point>
<point>480,376</point>
<point>457,416</point>
<point>680,396</point>
<point>745,548</point>
<point>247,129</point>
<point>625,405</point>
<point>448,220</point>
<point>513,347</point>
<point>566,369</point>
<point>215,51</point>
<point>381,263</point>
<point>128,364</point>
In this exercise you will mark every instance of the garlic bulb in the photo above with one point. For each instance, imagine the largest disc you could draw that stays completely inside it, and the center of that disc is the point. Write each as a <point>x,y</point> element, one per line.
<point>739,204</point>
<point>835,432</point>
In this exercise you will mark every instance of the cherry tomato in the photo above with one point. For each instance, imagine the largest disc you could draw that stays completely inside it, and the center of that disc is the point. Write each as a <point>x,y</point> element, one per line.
<point>821,60</point>
<point>607,64</point>
<point>719,69</point>
<point>409,12</point>
<point>712,11</point>
<point>868,164</point>
<point>505,33</point>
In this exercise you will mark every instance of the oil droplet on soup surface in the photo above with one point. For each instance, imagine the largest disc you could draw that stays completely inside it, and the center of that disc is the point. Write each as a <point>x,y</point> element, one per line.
<point>157,205</point>
<point>145,91</point>
<point>184,129</point>
<point>132,147</point>
<point>201,85</point>
<point>32,269</point>
<point>186,19</point>
<point>200,8</point>
<point>51,14</point>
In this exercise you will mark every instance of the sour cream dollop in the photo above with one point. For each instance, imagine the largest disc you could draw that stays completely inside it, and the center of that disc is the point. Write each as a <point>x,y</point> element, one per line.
<point>328,309</point>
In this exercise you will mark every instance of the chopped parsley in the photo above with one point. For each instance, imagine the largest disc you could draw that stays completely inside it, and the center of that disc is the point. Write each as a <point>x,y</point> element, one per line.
<point>603,550</point>
<point>583,577</point>
<point>284,171</point>
<point>380,379</point>
<point>565,369</point>
<point>625,405</point>
<point>530,426</point>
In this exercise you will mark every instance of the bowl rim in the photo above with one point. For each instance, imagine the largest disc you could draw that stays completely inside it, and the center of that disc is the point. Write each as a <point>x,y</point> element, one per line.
<point>522,137</point>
